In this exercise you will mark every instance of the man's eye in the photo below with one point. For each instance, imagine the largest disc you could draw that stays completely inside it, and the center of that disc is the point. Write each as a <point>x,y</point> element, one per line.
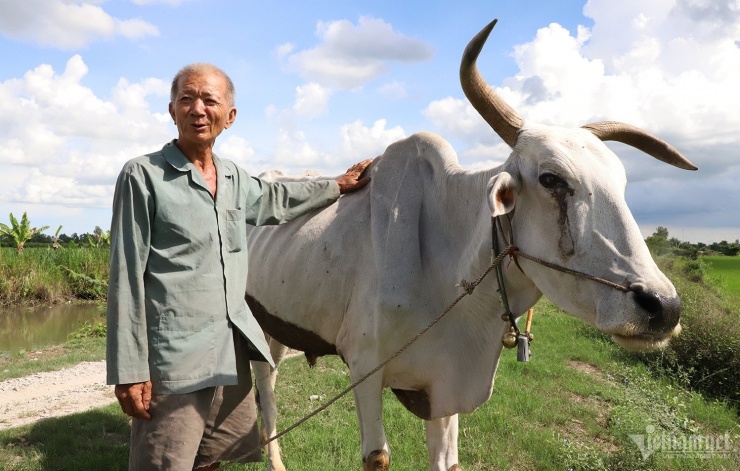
<point>552,181</point>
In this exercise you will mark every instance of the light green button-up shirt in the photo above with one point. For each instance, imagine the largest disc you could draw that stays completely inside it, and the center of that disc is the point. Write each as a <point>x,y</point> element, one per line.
<point>179,268</point>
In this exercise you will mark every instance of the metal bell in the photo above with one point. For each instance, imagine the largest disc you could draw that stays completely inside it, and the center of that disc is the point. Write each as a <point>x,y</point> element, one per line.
<point>522,353</point>
<point>509,339</point>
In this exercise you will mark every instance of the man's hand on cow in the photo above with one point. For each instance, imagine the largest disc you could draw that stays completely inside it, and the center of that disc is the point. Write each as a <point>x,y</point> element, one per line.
<point>351,180</point>
<point>134,399</point>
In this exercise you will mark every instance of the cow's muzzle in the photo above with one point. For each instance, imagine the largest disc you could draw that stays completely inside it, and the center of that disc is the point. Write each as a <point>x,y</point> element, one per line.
<point>659,325</point>
<point>663,312</point>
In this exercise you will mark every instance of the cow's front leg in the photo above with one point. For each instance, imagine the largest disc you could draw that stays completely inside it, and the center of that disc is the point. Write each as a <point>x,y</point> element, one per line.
<point>369,406</point>
<point>265,377</point>
<point>442,443</point>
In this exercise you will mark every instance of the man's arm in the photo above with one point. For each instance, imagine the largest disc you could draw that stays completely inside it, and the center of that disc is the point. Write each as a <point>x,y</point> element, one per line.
<point>270,203</point>
<point>127,351</point>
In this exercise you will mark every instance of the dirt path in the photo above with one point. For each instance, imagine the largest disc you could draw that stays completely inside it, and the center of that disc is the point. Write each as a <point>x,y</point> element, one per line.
<point>53,394</point>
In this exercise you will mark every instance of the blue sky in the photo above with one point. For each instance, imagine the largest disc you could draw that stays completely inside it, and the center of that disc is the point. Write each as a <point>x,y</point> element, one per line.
<point>321,84</point>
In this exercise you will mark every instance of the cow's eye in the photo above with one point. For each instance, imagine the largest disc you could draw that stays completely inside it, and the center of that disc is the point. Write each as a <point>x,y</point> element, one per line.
<point>552,181</point>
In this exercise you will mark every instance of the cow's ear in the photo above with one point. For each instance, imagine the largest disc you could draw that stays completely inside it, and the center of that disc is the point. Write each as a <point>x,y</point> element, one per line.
<point>502,192</point>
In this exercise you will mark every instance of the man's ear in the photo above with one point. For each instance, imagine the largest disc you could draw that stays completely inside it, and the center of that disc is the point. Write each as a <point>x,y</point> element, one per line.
<point>230,118</point>
<point>171,107</point>
<point>502,192</point>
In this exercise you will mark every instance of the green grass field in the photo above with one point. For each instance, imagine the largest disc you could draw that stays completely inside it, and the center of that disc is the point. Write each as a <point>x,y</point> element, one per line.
<point>726,270</point>
<point>573,406</point>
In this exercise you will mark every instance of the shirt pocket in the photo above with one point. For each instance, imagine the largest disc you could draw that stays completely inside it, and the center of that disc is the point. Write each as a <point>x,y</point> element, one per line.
<point>236,230</point>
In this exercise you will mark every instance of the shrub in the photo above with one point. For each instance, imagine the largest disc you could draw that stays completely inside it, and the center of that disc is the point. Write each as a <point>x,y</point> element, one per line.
<point>89,330</point>
<point>695,269</point>
<point>706,356</point>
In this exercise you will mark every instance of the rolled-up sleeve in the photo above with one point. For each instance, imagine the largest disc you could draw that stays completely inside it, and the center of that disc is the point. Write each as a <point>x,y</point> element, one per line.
<point>127,345</point>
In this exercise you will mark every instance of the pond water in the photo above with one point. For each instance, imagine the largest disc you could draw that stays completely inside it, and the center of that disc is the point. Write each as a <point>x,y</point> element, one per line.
<point>29,328</point>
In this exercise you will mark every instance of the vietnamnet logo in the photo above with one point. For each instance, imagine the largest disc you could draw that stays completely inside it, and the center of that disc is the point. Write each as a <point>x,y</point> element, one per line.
<point>689,446</point>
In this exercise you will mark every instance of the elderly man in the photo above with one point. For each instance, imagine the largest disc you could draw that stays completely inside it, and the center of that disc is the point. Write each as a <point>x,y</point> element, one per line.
<point>180,334</point>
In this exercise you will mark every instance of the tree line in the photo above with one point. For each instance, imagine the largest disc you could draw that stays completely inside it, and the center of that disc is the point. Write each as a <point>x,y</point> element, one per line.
<point>20,234</point>
<point>661,244</point>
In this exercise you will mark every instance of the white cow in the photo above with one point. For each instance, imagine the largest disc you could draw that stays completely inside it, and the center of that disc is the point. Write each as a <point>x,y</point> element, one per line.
<point>362,276</point>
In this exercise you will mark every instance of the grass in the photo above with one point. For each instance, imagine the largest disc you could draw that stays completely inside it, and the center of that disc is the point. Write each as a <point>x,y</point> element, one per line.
<point>725,271</point>
<point>46,276</point>
<point>573,406</point>
<point>72,352</point>
<point>87,343</point>
<point>96,440</point>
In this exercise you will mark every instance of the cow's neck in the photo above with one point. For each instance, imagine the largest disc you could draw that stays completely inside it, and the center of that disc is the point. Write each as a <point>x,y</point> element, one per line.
<point>466,207</point>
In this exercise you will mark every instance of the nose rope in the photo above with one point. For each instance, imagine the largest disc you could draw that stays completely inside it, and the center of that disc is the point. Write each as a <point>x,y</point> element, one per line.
<point>514,251</point>
<point>611,284</point>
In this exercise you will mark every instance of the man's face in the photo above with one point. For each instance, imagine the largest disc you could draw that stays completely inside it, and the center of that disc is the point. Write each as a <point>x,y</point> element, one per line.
<point>201,109</point>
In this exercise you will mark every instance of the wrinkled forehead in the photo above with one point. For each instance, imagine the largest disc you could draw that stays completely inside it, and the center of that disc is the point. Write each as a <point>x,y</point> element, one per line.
<point>573,152</point>
<point>202,82</point>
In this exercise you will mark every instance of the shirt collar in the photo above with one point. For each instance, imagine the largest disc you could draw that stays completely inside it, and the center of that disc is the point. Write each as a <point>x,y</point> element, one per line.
<point>177,159</point>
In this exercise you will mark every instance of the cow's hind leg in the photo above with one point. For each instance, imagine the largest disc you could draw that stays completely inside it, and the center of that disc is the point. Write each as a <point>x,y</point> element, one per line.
<point>442,443</point>
<point>265,377</point>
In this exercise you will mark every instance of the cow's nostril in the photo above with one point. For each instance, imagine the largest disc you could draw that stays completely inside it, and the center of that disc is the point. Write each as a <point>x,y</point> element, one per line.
<point>663,313</point>
<point>647,301</point>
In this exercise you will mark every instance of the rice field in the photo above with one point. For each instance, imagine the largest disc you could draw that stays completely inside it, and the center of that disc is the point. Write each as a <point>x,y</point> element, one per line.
<point>727,270</point>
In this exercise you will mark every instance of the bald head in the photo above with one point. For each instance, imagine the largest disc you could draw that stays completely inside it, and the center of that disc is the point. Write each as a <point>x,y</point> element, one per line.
<point>202,69</point>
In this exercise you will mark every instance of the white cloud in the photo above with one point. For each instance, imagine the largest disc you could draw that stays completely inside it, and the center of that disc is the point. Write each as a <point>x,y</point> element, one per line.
<point>350,55</point>
<point>236,149</point>
<point>311,100</point>
<point>66,24</point>
<point>294,153</point>
<point>393,90</point>
<point>150,2</point>
<point>135,28</point>
<point>347,57</point>
<point>491,155</point>
<point>359,142</point>
<point>61,104</point>
<point>457,118</point>
<point>40,188</point>
<point>72,141</point>
<point>285,49</point>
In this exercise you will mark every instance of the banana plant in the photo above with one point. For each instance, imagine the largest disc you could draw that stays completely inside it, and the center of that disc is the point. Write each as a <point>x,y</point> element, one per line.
<point>20,233</point>
<point>55,238</point>
<point>99,238</point>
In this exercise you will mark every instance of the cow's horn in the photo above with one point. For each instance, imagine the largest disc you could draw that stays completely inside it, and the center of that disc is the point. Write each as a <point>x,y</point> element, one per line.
<point>642,140</point>
<point>500,116</point>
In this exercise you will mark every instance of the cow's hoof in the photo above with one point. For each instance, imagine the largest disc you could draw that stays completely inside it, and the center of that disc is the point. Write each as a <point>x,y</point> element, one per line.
<point>378,460</point>
<point>455,467</point>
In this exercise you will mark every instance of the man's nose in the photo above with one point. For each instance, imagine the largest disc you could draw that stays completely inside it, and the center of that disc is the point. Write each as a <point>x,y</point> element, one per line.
<point>198,107</point>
